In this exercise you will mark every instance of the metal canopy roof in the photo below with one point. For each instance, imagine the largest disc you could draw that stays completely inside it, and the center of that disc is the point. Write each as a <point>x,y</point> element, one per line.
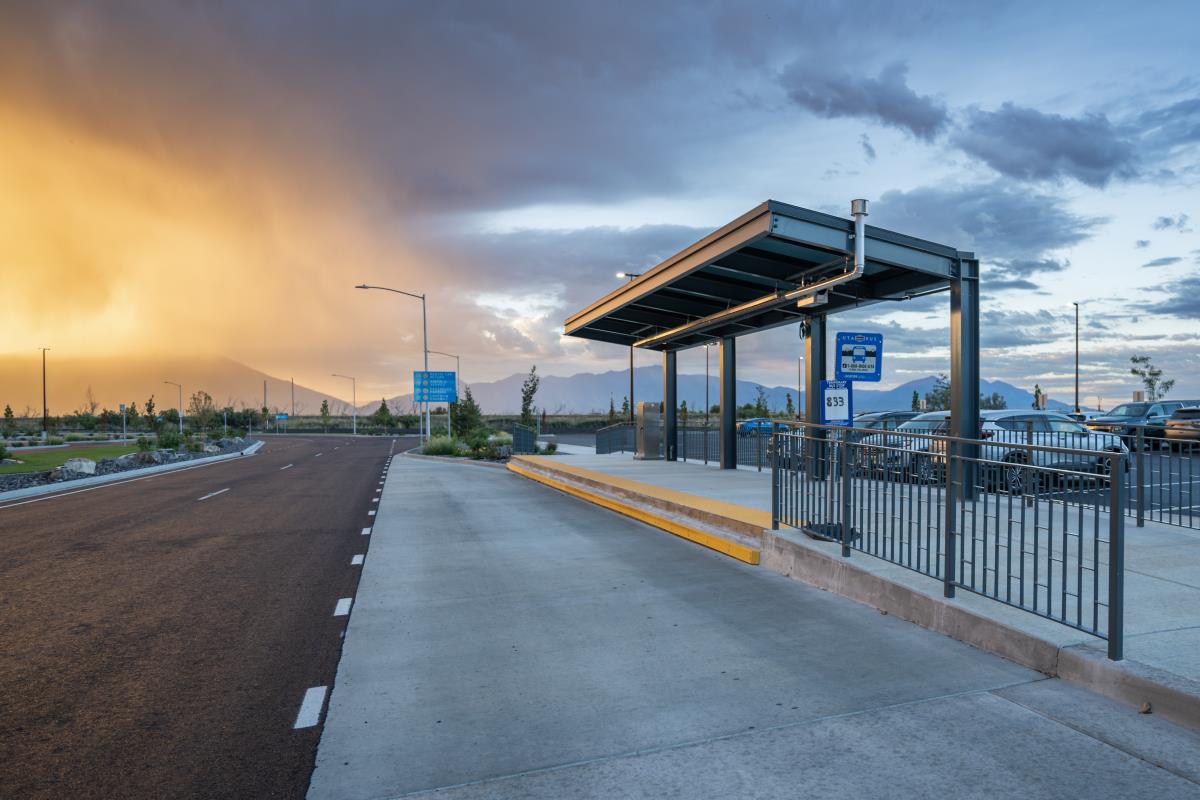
<point>736,280</point>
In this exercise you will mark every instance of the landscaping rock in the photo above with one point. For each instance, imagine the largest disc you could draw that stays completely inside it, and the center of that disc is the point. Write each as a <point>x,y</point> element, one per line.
<point>81,466</point>
<point>211,448</point>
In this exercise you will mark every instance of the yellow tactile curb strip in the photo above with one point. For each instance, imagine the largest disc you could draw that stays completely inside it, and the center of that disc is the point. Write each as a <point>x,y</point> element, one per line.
<point>720,508</point>
<point>733,549</point>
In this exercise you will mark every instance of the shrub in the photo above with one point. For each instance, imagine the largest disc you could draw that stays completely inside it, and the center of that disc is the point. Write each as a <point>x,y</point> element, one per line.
<point>76,437</point>
<point>169,439</point>
<point>551,448</point>
<point>501,438</point>
<point>3,452</point>
<point>55,440</point>
<point>441,446</point>
<point>144,444</point>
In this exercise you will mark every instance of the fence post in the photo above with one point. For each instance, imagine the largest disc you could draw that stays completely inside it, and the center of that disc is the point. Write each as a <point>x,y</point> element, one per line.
<point>774,480</point>
<point>1140,444</point>
<point>949,543</point>
<point>847,486</point>
<point>1116,563</point>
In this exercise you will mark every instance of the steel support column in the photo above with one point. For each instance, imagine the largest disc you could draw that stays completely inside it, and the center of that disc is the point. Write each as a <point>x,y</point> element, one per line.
<point>814,371</point>
<point>728,392</point>
<point>670,403</point>
<point>964,370</point>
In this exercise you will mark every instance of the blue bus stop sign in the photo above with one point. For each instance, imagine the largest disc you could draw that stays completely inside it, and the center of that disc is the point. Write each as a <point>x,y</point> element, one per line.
<point>859,357</point>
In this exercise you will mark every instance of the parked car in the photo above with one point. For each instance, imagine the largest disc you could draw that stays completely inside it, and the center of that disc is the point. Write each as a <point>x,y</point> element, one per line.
<point>1183,428</point>
<point>880,421</point>
<point>1125,419</point>
<point>761,426</point>
<point>1075,447</point>
<point>904,455</point>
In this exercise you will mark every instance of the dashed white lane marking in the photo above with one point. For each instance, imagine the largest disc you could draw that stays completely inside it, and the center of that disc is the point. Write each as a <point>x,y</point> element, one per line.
<point>373,499</point>
<point>289,466</point>
<point>337,448</point>
<point>310,707</point>
<point>366,531</point>
<point>343,607</point>
<point>371,513</point>
<point>213,494</point>
<point>377,491</point>
<point>356,561</point>
<point>318,455</point>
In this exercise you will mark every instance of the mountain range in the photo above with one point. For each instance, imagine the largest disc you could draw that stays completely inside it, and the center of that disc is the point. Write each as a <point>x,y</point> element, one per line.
<point>112,381</point>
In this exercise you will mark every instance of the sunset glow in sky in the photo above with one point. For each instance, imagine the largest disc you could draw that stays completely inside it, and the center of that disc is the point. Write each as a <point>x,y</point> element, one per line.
<point>214,178</point>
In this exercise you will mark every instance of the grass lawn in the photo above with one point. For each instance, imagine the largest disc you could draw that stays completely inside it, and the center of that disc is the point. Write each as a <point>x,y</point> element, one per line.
<point>42,460</point>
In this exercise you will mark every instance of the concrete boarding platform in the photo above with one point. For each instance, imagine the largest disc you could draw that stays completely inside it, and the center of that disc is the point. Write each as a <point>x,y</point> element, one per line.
<point>1162,638</point>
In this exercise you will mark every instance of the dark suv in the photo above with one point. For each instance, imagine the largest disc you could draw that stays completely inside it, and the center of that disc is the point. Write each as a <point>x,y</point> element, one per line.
<point>1125,419</point>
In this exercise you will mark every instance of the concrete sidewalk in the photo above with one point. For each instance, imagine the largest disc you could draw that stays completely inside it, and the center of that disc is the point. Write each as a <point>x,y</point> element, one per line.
<point>1162,585</point>
<point>510,641</point>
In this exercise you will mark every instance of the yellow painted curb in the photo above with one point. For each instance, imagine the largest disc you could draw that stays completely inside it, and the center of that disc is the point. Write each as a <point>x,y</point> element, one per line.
<point>720,508</point>
<point>733,549</point>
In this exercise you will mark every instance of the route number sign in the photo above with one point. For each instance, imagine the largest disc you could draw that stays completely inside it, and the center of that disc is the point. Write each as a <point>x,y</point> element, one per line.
<point>859,357</point>
<point>837,402</point>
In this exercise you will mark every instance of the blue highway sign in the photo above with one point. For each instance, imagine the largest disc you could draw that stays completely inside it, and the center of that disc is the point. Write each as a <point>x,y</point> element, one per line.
<point>435,387</point>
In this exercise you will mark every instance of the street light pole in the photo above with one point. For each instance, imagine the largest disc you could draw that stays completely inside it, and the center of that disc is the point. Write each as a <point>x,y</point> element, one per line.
<point>630,276</point>
<point>354,400</point>
<point>425,335</point>
<point>1076,357</point>
<point>457,380</point>
<point>180,385</point>
<point>45,411</point>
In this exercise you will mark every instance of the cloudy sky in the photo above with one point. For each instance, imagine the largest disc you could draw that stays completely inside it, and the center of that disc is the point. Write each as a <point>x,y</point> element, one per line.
<point>215,177</point>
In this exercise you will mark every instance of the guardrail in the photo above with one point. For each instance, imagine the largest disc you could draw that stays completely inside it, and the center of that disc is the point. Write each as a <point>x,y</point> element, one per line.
<point>618,438</point>
<point>524,439</point>
<point>1036,527</point>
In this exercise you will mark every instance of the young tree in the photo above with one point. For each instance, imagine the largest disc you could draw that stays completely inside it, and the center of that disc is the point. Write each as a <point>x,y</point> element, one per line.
<point>325,415</point>
<point>131,414</point>
<point>916,401</point>
<point>382,416</point>
<point>993,402</point>
<point>151,420</point>
<point>9,424</point>
<point>625,408</point>
<point>1152,378</point>
<point>467,414</point>
<point>938,399</point>
<point>202,411</point>
<point>683,413</point>
<point>89,401</point>
<point>528,391</point>
<point>790,407</point>
<point>760,402</point>
<point>612,411</point>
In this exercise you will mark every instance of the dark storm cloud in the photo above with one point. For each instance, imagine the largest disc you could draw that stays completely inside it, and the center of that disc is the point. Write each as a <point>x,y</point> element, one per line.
<point>820,87</point>
<point>1163,262</point>
<point>1027,144</point>
<point>1000,221</point>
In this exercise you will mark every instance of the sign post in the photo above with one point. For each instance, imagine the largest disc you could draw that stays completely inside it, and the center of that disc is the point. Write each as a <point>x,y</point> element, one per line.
<point>123,436</point>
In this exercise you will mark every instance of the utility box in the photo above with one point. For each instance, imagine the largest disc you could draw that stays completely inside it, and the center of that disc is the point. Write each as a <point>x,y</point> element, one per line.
<point>649,434</point>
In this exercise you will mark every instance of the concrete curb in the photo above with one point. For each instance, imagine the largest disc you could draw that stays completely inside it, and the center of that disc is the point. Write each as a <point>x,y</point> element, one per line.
<point>1171,696</point>
<point>100,480</point>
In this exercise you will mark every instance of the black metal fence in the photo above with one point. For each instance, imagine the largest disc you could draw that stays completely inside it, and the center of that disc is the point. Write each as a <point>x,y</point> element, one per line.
<point>617,438</point>
<point>1164,478</point>
<point>524,439</point>
<point>1036,527</point>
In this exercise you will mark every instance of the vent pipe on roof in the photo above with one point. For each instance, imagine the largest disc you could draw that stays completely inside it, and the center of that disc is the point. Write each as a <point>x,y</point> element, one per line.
<point>858,210</point>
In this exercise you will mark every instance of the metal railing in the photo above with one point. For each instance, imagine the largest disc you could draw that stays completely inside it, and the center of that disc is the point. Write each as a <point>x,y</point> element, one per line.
<point>524,439</point>
<point>618,438</point>
<point>1032,526</point>
<point>1164,477</point>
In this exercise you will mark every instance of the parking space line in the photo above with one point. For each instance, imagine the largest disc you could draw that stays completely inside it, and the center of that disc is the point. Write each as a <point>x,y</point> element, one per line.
<point>366,531</point>
<point>356,561</point>
<point>310,707</point>
<point>371,513</point>
<point>213,494</point>
<point>318,455</point>
<point>289,466</point>
<point>343,607</point>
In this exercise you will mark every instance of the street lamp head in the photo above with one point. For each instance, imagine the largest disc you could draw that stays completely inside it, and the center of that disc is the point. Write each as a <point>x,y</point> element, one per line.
<point>361,286</point>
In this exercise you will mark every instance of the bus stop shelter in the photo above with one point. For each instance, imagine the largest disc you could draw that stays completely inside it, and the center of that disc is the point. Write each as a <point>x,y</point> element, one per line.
<point>776,265</point>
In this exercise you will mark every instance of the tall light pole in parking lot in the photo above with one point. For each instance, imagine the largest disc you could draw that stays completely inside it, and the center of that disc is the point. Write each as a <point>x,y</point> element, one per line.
<point>425,337</point>
<point>180,385</point>
<point>1076,357</point>
<point>45,409</point>
<point>630,276</point>
<point>354,400</point>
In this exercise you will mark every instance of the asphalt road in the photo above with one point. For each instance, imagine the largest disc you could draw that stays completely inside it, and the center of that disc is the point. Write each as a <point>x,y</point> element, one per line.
<point>159,635</point>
